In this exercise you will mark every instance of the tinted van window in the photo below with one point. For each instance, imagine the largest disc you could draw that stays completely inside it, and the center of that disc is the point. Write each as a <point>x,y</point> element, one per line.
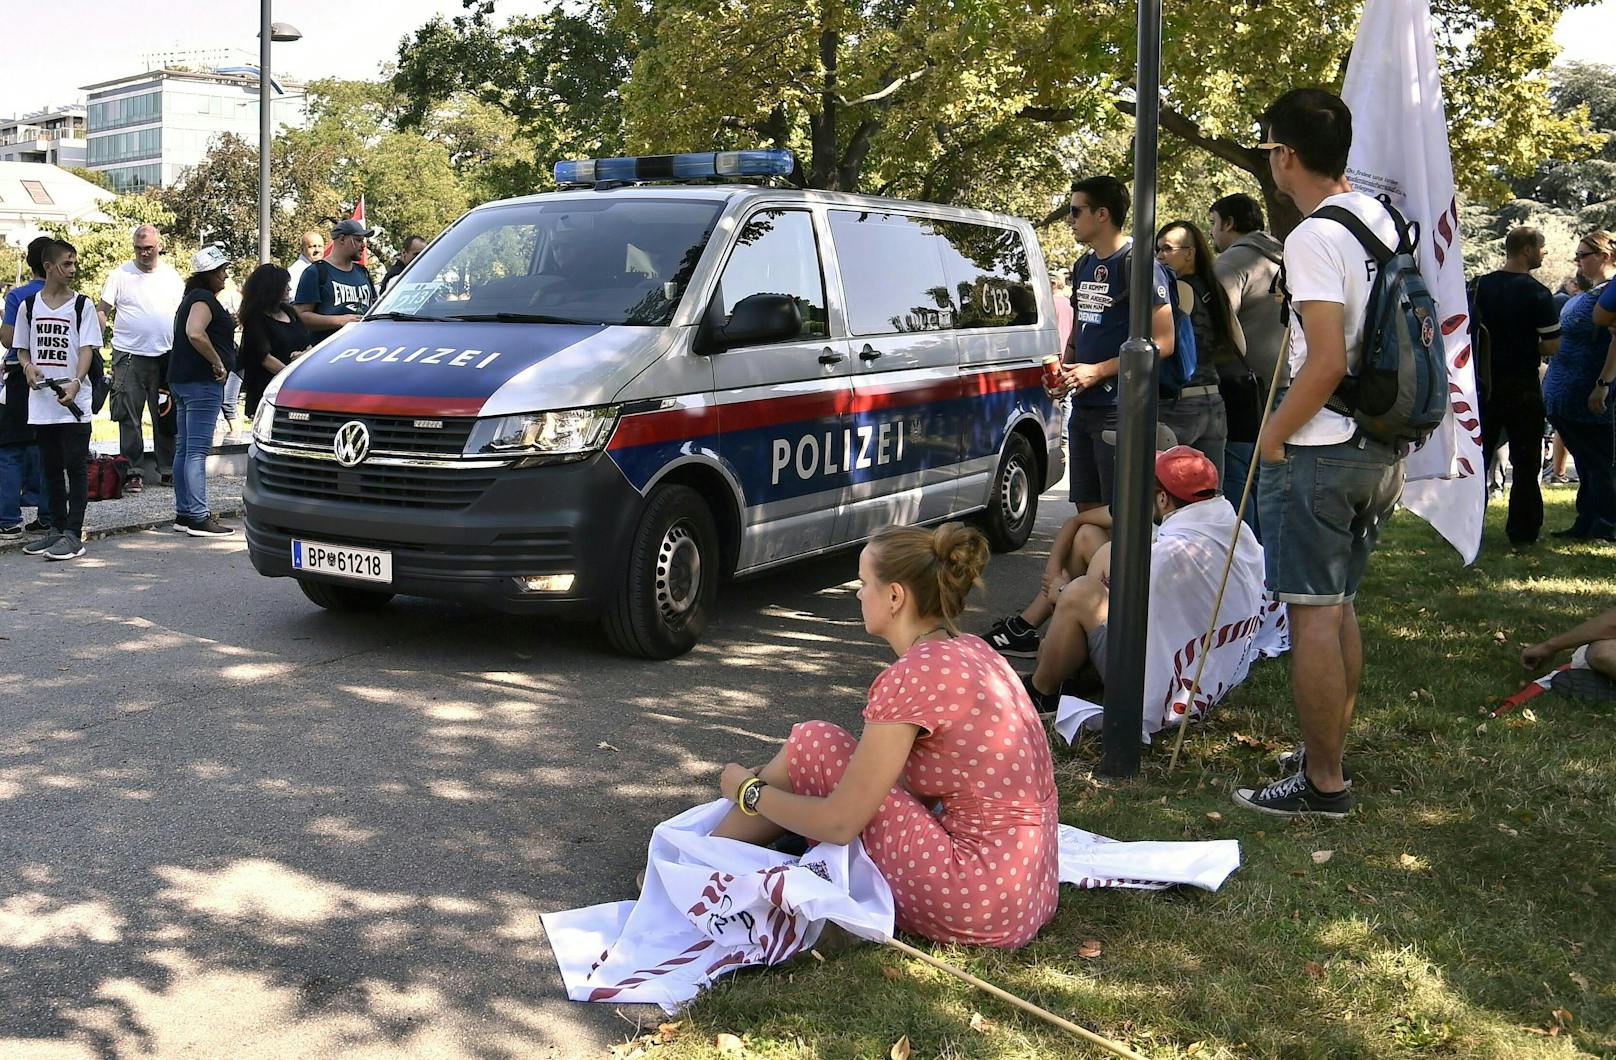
<point>988,275</point>
<point>775,253</point>
<point>605,261</point>
<point>892,272</point>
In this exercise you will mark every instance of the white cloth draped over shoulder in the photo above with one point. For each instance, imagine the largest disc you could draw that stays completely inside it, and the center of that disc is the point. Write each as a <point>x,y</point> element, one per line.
<point>1186,564</point>
<point>711,906</point>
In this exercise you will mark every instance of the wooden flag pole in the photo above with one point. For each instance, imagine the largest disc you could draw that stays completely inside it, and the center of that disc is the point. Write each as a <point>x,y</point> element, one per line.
<point>1115,1048</point>
<point>1228,561</point>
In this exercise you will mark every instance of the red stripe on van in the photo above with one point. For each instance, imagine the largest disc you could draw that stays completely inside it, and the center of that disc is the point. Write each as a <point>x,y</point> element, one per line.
<point>383,404</point>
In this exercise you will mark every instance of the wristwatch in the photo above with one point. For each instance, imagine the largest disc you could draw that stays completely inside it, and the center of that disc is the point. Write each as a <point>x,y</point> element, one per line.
<point>751,791</point>
<point>1602,382</point>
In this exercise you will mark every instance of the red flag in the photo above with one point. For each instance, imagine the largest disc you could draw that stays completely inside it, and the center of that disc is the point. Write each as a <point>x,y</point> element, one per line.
<point>359,215</point>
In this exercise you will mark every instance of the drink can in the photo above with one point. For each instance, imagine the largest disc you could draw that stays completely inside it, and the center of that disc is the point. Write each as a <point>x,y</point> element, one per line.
<point>1052,372</point>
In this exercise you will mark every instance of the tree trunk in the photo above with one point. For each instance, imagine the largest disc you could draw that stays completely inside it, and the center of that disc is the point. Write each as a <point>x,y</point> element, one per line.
<point>822,126</point>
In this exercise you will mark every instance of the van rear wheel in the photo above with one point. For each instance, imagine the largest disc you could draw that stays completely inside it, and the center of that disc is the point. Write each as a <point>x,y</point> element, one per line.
<point>334,597</point>
<point>1013,507</point>
<point>669,585</point>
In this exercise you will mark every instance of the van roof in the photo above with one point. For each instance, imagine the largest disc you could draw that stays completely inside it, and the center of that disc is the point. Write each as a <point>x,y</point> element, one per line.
<point>728,193</point>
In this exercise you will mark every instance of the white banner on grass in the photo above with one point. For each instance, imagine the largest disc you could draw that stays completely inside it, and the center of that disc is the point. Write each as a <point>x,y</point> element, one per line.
<point>711,906</point>
<point>1400,149</point>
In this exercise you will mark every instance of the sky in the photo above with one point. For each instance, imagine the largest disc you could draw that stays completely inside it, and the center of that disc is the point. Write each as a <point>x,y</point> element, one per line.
<point>116,34</point>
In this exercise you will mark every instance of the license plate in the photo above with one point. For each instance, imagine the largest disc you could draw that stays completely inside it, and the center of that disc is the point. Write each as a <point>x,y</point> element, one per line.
<point>359,564</point>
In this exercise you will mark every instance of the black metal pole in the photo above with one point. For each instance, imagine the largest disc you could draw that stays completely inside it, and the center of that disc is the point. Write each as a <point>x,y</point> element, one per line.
<point>1136,435</point>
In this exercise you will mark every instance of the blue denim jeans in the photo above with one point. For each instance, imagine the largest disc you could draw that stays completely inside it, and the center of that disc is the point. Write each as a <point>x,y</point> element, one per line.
<point>1593,446</point>
<point>1322,510</point>
<point>1237,458</point>
<point>196,407</point>
<point>22,483</point>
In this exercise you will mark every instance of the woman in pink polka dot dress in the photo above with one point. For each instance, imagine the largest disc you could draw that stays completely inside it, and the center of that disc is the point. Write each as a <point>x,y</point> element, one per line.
<point>950,786</point>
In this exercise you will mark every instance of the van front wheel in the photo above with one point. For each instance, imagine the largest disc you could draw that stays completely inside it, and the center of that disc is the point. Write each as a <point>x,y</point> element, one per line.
<point>1013,507</point>
<point>665,598</point>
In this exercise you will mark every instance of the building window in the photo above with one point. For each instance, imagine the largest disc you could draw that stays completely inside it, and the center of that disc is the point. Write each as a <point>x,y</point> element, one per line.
<point>126,110</point>
<point>134,178</point>
<point>37,192</point>
<point>125,147</point>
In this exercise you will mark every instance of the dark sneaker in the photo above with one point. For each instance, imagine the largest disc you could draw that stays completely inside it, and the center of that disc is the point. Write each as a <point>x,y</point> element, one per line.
<point>1043,702</point>
<point>38,526</point>
<point>10,533</point>
<point>209,527</point>
<point>134,483</point>
<point>1295,796</point>
<point>180,523</point>
<point>39,545</point>
<point>68,546</point>
<point>1295,761</point>
<point>165,480</point>
<point>1012,636</point>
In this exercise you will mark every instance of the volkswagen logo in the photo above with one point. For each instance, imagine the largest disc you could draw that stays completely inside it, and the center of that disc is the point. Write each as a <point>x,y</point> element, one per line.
<point>352,443</point>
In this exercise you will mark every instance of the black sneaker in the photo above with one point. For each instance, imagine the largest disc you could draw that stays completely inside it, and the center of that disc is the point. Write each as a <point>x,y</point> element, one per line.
<point>10,533</point>
<point>38,526</point>
<point>1043,702</point>
<point>1295,796</point>
<point>165,480</point>
<point>1295,761</point>
<point>208,527</point>
<point>38,546</point>
<point>180,523</point>
<point>68,546</point>
<point>1014,637</point>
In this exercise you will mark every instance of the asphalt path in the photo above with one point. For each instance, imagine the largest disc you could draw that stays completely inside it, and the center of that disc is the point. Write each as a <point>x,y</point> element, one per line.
<point>234,824</point>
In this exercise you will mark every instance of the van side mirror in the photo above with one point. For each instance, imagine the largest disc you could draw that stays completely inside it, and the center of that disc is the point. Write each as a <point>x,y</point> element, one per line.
<point>758,319</point>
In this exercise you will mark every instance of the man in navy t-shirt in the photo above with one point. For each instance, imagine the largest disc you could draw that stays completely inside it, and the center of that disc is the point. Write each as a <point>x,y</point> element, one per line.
<point>336,290</point>
<point>1100,327</point>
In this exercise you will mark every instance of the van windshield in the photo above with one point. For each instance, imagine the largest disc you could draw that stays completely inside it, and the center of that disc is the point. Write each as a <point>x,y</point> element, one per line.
<point>600,261</point>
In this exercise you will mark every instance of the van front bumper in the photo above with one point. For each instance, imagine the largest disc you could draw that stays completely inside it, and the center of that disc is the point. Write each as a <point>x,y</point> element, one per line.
<point>469,538</point>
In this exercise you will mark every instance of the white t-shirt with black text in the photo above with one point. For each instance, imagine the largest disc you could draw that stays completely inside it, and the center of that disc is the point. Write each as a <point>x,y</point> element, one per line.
<point>52,339</point>
<point>144,304</point>
<point>1324,262</point>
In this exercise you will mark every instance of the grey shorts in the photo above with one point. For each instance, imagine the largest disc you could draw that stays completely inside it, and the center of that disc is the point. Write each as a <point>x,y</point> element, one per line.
<point>1321,510</point>
<point>1091,461</point>
<point>1097,650</point>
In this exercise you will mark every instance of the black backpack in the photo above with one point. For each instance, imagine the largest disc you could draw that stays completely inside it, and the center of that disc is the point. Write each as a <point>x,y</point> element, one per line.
<point>99,387</point>
<point>1398,393</point>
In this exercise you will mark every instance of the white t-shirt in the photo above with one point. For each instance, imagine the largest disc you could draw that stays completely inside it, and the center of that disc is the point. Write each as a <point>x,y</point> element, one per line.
<point>1324,262</point>
<point>145,303</point>
<point>52,339</point>
<point>296,271</point>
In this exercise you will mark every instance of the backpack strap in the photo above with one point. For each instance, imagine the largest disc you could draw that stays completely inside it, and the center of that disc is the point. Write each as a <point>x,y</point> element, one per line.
<point>1368,240</point>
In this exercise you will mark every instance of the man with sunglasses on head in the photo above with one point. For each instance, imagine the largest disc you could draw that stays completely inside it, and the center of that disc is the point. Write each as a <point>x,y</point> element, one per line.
<point>141,296</point>
<point>1100,282</point>
<point>336,290</point>
<point>1326,487</point>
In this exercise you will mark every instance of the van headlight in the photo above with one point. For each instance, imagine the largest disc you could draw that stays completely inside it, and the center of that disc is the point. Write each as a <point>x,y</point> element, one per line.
<point>566,434</point>
<point>263,424</point>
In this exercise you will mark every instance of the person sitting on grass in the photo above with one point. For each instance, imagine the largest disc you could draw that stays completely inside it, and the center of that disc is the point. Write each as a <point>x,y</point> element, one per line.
<point>1082,546</point>
<point>1598,637</point>
<point>951,786</point>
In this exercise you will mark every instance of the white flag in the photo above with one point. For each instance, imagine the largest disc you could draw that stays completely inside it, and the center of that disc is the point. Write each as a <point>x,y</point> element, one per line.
<point>1400,148</point>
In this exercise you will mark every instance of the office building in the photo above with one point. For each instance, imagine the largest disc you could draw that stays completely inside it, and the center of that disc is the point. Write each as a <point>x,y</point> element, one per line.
<point>145,130</point>
<point>54,136</point>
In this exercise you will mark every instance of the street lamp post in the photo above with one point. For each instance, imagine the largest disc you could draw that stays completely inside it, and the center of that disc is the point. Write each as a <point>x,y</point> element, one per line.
<point>268,32</point>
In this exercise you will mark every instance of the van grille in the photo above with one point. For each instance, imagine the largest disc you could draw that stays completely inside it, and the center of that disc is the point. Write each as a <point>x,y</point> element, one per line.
<point>440,488</point>
<point>388,434</point>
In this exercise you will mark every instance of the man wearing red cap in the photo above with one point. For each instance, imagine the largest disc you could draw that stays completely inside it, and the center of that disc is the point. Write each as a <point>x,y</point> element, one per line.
<point>1186,565</point>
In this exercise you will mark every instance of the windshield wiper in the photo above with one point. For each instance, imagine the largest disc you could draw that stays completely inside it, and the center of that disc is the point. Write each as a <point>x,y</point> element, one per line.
<point>406,316</point>
<point>521,318</point>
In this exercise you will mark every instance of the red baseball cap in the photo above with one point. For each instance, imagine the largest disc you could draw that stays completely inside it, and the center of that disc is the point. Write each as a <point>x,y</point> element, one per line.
<point>1187,474</point>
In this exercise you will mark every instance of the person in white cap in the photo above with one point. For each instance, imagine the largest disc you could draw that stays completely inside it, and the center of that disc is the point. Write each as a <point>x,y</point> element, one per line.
<point>203,354</point>
<point>336,290</point>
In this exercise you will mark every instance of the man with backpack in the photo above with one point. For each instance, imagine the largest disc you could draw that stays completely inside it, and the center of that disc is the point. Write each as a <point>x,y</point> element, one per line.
<point>1331,472</point>
<point>22,482</point>
<point>1247,267</point>
<point>58,338</point>
<point>336,290</point>
<point>1090,362</point>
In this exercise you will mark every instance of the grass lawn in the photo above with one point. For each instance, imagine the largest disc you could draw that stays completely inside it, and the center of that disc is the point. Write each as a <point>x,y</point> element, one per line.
<point>1464,911</point>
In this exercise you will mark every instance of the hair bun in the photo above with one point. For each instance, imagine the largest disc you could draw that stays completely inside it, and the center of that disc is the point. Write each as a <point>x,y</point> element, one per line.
<point>962,554</point>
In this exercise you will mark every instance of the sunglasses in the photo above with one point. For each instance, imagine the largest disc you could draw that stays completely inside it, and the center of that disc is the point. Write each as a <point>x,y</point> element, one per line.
<point>1579,255</point>
<point>1078,210</point>
<point>1167,249</point>
<point>1270,145</point>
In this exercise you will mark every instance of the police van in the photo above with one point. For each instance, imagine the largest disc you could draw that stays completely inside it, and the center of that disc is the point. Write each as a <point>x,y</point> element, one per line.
<point>602,401</point>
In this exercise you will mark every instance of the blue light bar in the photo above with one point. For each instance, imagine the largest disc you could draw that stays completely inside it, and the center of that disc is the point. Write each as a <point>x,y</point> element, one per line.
<point>701,165</point>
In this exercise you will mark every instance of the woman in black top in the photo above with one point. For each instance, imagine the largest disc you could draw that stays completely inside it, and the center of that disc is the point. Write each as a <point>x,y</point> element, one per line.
<point>271,334</point>
<point>203,354</point>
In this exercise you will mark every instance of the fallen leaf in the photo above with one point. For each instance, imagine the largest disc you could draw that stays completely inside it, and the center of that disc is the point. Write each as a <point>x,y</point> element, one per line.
<point>1249,741</point>
<point>1321,856</point>
<point>1563,1016</point>
<point>1499,637</point>
<point>1195,1049</point>
<point>1507,830</point>
<point>1481,728</point>
<point>729,1045</point>
<point>1528,714</point>
<point>1090,949</point>
<point>816,955</point>
<point>1581,981</point>
<point>1261,835</point>
<point>980,1023</point>
<point>1214,816</point>
<point>900,1049</point>
<point>1314,970</point>
<point>891,972</point>
<point>604,746</point>
<point>1408,861</point>
<point>667,1032</point>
